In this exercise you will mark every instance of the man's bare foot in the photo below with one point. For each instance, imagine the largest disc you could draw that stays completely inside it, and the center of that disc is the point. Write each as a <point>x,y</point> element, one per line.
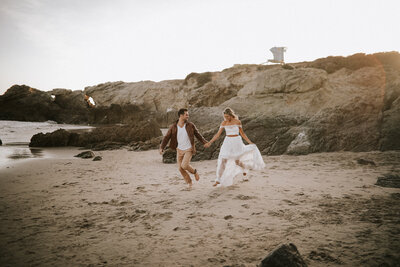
<point>216,183</point>
<point>196,175</point>
<point>190,186</point>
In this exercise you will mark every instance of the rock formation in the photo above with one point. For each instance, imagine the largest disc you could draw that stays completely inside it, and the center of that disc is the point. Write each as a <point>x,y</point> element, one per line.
<point>143,136</point>
<point>334,103</point>
<point>24,103</point>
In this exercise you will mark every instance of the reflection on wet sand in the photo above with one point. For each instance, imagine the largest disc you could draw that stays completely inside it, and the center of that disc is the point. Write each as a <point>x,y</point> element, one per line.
<point>24,153</point>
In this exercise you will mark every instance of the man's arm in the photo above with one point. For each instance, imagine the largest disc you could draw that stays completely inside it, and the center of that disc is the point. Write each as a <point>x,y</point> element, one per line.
<point>166,139</point>
<point>198,135</point>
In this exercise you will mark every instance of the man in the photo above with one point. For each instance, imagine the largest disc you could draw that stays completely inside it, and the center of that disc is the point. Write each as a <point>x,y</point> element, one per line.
<point>182,134</point>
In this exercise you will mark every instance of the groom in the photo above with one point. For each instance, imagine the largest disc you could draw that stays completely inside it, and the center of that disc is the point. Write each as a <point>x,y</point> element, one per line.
<point>181,134</point>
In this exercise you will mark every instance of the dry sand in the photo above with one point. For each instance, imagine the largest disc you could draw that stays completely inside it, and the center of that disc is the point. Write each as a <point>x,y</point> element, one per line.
<point>130,209</point>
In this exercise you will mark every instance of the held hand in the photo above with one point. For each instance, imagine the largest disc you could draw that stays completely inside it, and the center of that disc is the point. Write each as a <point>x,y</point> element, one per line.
<point>161,151</point>
<point>206,145</point>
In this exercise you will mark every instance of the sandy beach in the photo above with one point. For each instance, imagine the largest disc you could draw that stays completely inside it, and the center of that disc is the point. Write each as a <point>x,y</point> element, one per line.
<point>130,209</point>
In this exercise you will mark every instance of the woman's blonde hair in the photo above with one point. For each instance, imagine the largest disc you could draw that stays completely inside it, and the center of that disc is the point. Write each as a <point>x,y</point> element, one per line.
<point>230,112</point>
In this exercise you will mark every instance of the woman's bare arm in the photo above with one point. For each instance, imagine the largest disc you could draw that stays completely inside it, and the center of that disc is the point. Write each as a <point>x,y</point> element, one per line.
<point>244,135</point>
<point>216,136</point>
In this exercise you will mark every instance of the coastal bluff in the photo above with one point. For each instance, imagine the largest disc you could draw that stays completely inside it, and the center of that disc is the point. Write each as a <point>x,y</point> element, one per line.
<point>330,104</point>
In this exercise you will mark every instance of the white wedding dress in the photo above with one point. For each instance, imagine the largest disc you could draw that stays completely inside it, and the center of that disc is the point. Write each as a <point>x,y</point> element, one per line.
<point>234,151</point>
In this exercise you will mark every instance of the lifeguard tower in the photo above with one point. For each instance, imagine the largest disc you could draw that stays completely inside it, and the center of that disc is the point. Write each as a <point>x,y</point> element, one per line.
<point>278,55</point>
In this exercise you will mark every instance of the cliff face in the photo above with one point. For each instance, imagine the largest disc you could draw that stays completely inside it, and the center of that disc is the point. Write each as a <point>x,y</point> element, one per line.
<point>335,103</point>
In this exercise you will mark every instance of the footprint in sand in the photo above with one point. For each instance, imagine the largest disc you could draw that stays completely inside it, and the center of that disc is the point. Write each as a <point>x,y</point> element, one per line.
<point>291,203</point>
<point>141,189</point>
<point>166,216</point>
<point>181,228</point>
<point>244,197</point>
<point>214,195</point>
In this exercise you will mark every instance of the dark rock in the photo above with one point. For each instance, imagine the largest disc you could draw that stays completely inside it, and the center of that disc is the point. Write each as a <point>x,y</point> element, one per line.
<point>286,255</point>
<point>169,156</point>
<point>212,152</point>
<point>57,138</point>
<point>74,108</point>
<point>21,102</point>
<point>389,180</point>
<point>153,143</point>
<point>102,138</point>
<point>24,103</point>
<point>85,155</point>
<point>97,158</point>
<point>271,134</point>
<point>140,131</point>
<point>366,162</point>
<point>106,145</point>
<point>127,114</point>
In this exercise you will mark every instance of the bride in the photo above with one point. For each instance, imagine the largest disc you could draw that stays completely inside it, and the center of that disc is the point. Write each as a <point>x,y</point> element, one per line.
<point>234,156</point>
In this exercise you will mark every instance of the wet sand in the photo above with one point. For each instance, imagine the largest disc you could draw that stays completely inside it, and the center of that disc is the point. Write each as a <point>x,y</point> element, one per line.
<point>131,210</point>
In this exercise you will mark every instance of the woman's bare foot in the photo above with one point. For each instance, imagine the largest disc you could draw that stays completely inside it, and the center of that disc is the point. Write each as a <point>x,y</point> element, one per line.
<point>216,183</point>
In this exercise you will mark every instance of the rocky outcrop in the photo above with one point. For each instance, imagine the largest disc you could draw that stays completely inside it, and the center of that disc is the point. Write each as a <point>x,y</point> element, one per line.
<point>146,135</point>
<point>316,108</point>
<point>335,103</point>
<point>74,108</point>
<point>25,103</point>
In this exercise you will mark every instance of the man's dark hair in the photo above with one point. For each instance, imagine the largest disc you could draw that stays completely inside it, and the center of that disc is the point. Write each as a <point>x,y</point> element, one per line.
<point>182,111</point>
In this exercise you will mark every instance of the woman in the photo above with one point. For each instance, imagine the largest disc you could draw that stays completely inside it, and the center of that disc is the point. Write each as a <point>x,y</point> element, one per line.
<point>234,156</point>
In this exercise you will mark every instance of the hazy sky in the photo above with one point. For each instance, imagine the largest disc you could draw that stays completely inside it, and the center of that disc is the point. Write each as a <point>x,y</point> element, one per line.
<point>72,44</point>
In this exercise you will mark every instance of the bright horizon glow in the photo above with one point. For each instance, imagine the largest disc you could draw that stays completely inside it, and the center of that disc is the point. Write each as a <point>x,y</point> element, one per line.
<point>72,44</point>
